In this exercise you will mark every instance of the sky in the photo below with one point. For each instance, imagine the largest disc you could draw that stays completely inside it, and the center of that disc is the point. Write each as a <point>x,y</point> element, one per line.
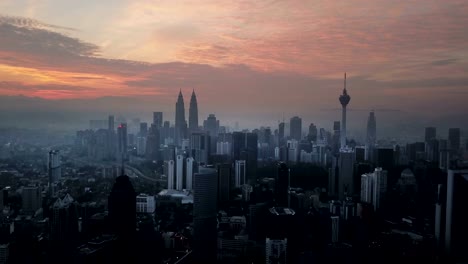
<point>255,62</point>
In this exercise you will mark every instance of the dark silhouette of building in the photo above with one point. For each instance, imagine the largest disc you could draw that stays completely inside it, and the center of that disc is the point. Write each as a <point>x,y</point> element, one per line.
<point>153,143</point>
<point>122,207</point>
<point>193,113</point>
<point>180,122</point>
<point>430,134</point>
<point>282,185</point>
<point>244,147</point>
<point>295,127</point>
<point>312,136</point>
<point>204,215</point>
<point>158,119</point>
<point>344,101</point>
<point>225,182</point>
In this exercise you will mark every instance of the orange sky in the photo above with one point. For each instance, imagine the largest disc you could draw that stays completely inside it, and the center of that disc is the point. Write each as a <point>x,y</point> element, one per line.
<point>406,55</point>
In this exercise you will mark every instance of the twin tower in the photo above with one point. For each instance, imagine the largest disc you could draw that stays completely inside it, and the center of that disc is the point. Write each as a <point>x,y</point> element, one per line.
<point>181,129</point>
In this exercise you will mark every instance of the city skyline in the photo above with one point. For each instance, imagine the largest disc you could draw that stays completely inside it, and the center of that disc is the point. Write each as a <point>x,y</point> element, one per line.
<point>292,64</point>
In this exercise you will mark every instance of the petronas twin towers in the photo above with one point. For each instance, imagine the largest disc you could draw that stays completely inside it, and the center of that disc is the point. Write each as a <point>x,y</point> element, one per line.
<point>181,128</point>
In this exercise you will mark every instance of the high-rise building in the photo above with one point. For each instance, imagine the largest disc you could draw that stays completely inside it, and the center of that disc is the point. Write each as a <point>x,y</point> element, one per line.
<point>344,100</point>
<point>122,207</point>
<point>204,215</point>
<point>141,146</point>
<point>240,171</point>
<point>169,172</point>
<point>346,172</point>
<point>224,182</point>
<point>335,229</point>
<point>281,133</point>
<point>371,138</point>
<point>245,147</point>
<point>430,134</point>
<point>193,113</point>
<point>282,185</point>
<point>454,140</point>
<point>190,169</point>
<point>456,230</point>
<point>180,122</point>
<point>200,147</point>
<point>276,250</point>
<point>122,141</point>
<point>158,119</point>
<point>179,172</point>
<point>143,129</point>
<point>110,126</point>
<point>31,198</point>
<point>296,128</point>
<point>211,124</point>
<point>64,220</point>
<point>54,170</point>
<point>374,187</point>
<point>145,204</point>
<point>312,136</point>
<point>153,143</point>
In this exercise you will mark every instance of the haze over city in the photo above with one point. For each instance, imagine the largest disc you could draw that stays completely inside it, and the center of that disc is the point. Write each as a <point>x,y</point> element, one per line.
<point>249,61</point>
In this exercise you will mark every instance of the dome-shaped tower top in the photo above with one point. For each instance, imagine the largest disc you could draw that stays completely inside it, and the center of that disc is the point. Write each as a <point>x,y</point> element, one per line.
<point>345,98</point>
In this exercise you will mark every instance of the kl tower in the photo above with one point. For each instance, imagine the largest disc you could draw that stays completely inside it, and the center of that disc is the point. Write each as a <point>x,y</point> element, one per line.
<point>344,100</point>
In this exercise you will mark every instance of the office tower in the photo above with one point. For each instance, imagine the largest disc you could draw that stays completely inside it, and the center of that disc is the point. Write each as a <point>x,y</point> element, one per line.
<point>179,172</point>
<point>200,147</point>
<point>169,172</point>
<point>223,148</point>
<point>371,138</point>
<point>362,153</point>
<point>31,199</point>
<point>245,147</point>
<point>454,141</point>
<point>63,220</point>
<point>430,134</point>
<point>166,131</point>
<point>193,113</point>
<point>456,229</point>
<point>312,136</point>
<point>344,100</point>
<point>276,250</point>
<point>211,124</point>
<point>205,194</point>
<point>180,122</point>
<point>281,133</point>
<point>432,150</point>
<point>296,128</point>
<point>224,182</point>
<point>282,185</point>
<point>346,172</point>
<point>143,129</point>
<point>141,146</point>
<point>54,170</point>
<point>293,151</point>
<point>122,141</point>
<point>439,222</point>
<point>335,229</point>
<point>153,143</point>
<point>122,207</point>
<point>158,119</point>
<point>374,187</point>
<point>240,170</point>
<point>110,126</point>
<point>443,154</point>
<point>190,169</point>
<point>145,204</point>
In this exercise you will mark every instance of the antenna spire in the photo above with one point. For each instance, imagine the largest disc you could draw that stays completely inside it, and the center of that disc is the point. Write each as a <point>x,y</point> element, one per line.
<point>345,81</point>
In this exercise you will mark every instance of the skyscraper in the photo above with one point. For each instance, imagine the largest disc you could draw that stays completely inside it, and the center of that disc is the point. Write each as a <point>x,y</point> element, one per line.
<point>193,113</point>
<point>111,123</point>
<point>296,128</point>
<point>430,134</point>
<point>180,122</point>
<point>31,199</point>
<point>312,136</point>
<point>454,140</point>
<point>240,171</point>
<point>179,172</point>
<point>280,134</point>
<point>371,139</point>
<point>169,172</point>
<point>344,100</point>
<point>54,170</point>
<point>204,215</point>
<point>143,129</point>
<point>122,141</point>
<point>211,124</point>
<point>200,147</point>
<point>158,119</point>
<point>224,182</point>
<point>282,185</point>
<point>346,172</point>
<point>374,187</point>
